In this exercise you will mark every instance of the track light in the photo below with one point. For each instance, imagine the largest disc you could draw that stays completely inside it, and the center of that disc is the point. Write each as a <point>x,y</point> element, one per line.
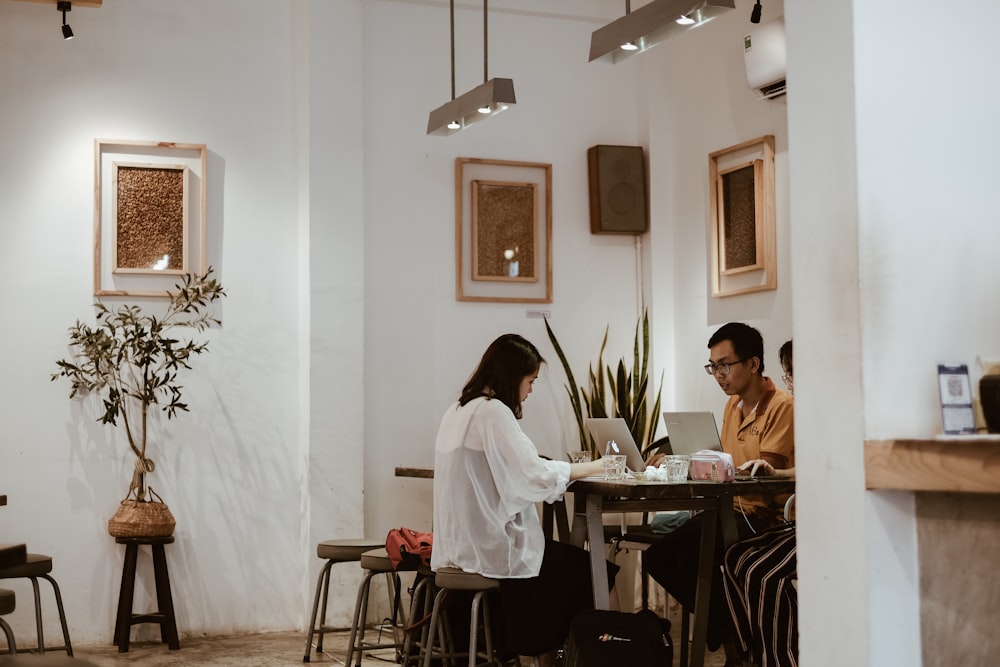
<point>652,23</point>
<point>483,101</point>
<point>755,14</point>
<point>65,6</point>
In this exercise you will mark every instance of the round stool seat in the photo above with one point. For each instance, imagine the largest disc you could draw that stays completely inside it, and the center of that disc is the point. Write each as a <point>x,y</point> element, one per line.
<point>35,565</point>
<point>6,601</point>
<point>46,660</point>
<point>454,579</point>
<point>378,560</point>
<point>343,551</point>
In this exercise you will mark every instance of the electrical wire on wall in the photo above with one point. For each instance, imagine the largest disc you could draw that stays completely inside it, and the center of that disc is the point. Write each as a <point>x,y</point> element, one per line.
<point>640,306</point>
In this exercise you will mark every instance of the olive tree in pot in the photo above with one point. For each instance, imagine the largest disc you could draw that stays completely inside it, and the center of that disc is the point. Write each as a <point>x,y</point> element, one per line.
<point>131,360</point>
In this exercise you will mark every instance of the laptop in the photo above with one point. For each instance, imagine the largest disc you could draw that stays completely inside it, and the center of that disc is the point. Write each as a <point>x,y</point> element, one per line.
<point>606,429</point>
<point>690,432</point>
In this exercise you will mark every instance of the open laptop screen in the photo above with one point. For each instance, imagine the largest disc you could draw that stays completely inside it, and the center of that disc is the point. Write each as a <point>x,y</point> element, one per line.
<point>605,429</point>
<point>690,432</point>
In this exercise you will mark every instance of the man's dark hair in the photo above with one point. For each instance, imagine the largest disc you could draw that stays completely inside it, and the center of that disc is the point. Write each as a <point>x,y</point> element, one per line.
<point>747,341</point>
<point>785,356</point>
<point>507,361</point>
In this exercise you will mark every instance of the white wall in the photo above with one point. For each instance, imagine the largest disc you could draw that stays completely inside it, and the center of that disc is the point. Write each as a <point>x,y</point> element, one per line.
<point>421,344</point>
<point>894,271</point>
<point>696,102</point>
<point>342,342</point>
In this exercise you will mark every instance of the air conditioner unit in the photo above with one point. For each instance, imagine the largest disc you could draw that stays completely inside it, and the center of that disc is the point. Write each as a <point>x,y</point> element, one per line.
<point>764,56</point>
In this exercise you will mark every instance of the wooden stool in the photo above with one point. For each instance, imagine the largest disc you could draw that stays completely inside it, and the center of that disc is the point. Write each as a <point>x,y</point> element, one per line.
<point>165,614</point>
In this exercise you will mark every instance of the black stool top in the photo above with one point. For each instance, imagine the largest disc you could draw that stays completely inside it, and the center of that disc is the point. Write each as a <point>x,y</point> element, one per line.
<point>145,540</point>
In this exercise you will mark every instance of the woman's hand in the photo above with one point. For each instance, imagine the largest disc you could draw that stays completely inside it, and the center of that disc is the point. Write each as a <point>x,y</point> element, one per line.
<point>586,469</point>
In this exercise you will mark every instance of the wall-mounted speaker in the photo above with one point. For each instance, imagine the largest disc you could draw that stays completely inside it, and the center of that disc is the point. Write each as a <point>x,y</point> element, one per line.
<point>617,177</point>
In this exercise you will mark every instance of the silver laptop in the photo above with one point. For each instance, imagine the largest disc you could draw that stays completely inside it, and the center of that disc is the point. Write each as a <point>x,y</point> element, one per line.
<point>606,429</point>
<point>690,432</point>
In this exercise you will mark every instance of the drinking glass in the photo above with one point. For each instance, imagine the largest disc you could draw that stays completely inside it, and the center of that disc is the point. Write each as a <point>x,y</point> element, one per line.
<point>677,467</point>
<point>614,466</point>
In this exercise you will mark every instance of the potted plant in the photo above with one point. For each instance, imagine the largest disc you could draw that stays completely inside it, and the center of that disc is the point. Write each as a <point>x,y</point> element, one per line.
<point>615,391</point>
<point>131,361</point>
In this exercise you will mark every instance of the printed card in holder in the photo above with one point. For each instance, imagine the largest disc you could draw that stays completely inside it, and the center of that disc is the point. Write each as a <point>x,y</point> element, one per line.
<point>956,399</point>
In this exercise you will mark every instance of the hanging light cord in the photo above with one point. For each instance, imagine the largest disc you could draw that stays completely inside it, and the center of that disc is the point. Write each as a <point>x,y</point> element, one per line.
<point>485,50</point>
<point>452,49</point>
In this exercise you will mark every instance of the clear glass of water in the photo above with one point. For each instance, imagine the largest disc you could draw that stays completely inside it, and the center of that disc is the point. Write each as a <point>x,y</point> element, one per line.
<point>614,466</point>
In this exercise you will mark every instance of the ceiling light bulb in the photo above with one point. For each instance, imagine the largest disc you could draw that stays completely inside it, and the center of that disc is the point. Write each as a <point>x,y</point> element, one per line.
<point>67,32</point>
<point>454,125</point>
<point>685,20</point>
<point>485,109</point>
<point>629,46</point>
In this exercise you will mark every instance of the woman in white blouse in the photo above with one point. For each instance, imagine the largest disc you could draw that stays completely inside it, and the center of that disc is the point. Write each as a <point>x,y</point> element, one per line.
<point>487,478</point>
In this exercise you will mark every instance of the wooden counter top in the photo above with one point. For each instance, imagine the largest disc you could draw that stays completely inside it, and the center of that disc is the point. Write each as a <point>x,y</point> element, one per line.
<point>968,464</point>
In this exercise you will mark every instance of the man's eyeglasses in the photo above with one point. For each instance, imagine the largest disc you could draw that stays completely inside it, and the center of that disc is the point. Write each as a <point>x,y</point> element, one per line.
<point>721,368</point>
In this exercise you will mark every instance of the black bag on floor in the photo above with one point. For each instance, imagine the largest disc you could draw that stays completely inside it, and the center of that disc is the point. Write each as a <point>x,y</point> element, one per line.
<point>609,638</point>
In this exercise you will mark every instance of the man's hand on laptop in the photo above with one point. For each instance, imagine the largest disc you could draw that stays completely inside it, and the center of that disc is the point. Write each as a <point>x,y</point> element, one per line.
<point>757,467</point>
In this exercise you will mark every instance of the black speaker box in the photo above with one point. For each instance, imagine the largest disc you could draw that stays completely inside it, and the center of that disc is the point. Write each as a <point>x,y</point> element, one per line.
<point>617,177</point>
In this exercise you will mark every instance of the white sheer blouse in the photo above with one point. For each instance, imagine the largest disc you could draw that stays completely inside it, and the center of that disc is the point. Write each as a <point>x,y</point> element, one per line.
<point>487,478</point>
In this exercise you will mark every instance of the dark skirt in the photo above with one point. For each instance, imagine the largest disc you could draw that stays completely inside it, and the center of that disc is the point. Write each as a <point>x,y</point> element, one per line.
<point>537,611</point>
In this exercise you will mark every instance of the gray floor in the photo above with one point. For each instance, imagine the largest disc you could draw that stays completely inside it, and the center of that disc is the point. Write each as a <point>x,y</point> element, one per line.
<point>271,650</point>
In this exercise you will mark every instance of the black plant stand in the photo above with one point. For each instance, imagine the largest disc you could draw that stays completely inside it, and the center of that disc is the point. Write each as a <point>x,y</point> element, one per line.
<point>164,616</point>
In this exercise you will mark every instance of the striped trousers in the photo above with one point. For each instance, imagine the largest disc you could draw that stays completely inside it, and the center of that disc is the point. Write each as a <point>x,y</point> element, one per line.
<point>758,576</point>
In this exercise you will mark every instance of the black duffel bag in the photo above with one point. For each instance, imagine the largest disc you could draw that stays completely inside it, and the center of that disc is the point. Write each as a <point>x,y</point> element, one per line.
<point>600,638</point>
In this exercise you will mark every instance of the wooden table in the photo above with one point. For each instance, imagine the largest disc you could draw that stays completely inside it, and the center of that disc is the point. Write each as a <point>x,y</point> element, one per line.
<point>593,497</point>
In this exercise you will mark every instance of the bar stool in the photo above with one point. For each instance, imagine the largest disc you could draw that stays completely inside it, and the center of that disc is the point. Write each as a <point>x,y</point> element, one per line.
<point>7,606</point>
<point>164,616</point>
<point>334,551</point>
<point>421,608</point>
<point>35,567</point>
<point>376,562</point>
<point>452,579</point>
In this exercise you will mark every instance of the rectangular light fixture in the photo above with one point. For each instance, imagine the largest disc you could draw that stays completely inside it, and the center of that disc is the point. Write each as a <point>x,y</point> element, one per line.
<point>651,24</point>
<point>481,102</point>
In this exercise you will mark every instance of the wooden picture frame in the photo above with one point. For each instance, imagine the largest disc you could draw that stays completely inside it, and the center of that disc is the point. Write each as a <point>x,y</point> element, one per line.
<point>149,216</point>
<point>503,231</point>
<point>744,257</point>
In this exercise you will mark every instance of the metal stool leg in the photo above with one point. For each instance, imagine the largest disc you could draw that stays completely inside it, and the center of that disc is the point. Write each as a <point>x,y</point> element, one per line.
<point>11,645</point>
<point>322,584</point>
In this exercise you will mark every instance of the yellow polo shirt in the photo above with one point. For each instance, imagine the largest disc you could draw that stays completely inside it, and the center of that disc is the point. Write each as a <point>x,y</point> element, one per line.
<point>769,428</point>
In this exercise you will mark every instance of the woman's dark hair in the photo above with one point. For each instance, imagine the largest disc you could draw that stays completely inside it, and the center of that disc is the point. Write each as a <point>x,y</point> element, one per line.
<point>507,361</point>
<point>747,341</point>
<point>785,356</point>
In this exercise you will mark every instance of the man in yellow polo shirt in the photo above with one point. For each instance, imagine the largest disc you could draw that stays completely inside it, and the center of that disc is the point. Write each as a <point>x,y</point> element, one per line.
<point>757,424</point>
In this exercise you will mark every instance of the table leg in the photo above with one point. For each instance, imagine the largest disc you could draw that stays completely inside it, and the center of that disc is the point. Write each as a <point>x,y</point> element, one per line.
<point>703,595</point>
<point>598,567</point>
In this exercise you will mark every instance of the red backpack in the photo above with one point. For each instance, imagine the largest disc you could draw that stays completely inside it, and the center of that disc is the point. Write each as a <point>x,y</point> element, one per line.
<point>406,544</point>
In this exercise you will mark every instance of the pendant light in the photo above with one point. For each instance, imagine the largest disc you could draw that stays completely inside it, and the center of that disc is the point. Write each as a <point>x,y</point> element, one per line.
<point>484,101</point>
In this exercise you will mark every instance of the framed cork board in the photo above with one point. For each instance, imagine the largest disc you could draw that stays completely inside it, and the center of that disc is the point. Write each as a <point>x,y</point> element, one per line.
<point>503,231</point>
<point>149,216</point>
<point>742,211</point>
